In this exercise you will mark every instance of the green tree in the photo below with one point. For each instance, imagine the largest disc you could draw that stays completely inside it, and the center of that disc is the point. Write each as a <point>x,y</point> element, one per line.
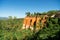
<point>28,13</point>
<point>51,12</point>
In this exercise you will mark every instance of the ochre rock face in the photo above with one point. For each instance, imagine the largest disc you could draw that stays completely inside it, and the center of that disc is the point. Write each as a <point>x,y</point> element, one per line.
<point>25,20</point>
<point>45,17</point>
<point>24,23</point>
<point>44,20</point>
<point>38,23</point>
<point>33,20</point>
<point>29,21</point>
<point>38,19</point>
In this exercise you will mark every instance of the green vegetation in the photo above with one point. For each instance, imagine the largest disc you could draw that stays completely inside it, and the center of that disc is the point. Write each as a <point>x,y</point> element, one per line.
<point>11,29</point>
<point>50,32</point>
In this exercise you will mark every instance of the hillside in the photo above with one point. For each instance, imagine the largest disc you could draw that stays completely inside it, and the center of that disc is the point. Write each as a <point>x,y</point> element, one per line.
<point>3,18</point>
<point>11,29</point>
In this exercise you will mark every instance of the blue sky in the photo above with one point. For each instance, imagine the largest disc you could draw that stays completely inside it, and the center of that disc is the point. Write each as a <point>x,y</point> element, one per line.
<point>18,8</point>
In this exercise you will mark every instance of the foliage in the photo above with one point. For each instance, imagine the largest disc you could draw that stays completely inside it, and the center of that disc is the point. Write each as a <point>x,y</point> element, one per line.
<point>50,32</point>
<point>11,30</point>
